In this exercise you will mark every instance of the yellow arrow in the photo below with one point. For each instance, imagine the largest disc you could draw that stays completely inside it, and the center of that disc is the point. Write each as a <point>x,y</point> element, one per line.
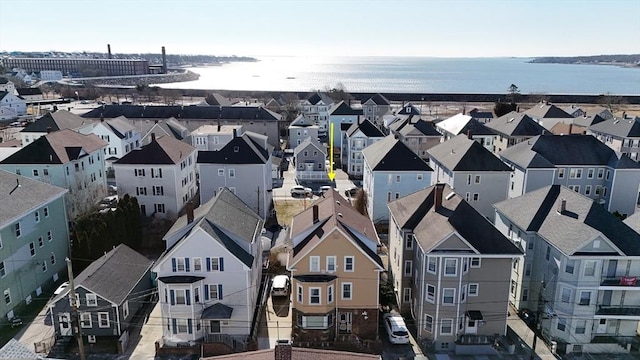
<point>332,174</point>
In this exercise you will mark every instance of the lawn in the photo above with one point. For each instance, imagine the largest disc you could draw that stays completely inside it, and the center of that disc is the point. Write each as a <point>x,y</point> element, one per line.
<point>286,209</point>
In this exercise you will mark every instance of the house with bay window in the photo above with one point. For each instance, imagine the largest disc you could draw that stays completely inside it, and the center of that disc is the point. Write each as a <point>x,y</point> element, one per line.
<point>450,267</point>
<point>335,269</point>
<point>108,293</point>
<point>580,270</point>
<point>209,276</point>
<point>359,135</point>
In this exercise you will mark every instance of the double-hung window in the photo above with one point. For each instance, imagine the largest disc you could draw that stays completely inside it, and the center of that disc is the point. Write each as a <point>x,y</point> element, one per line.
<point>450,267</point>
<point>314,296</point>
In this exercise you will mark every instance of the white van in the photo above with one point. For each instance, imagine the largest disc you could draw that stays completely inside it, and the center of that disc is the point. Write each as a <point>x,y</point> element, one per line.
<point>280,286</point>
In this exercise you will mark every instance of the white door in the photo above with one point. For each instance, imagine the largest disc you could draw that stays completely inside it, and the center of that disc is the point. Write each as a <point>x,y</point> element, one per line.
<point>308,166</point>
<point>345,322</point>
<point>602,326</point>
<point>471,327</point>
<point>65,324</point>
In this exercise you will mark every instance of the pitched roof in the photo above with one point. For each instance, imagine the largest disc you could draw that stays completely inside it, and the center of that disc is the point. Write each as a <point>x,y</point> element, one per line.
<point>623,128</point>
<point>169,127</point>
<point>120,126</point>
<point>633,221</point>
<point>564,129</point>
<point>3,94</point>
<point>463,124</point>
<point>240,150</point>
<point>59,147</point>
<point>114,275</point>
<point>165,150</point>
<point>583,220</point>
<point>515,124</point>
<point>420,128</point>
<point>391,154</point>
<point>21,194</point>
<point>366,127</point>
<point>28,91</point>
<point>463,154</point>
<point>301,121</point>
<point>316,97</point>
<point>343,108</point>
<point>409,109</point>
<point>477,114</point>
<point>248,113</point>
<point>544,110</point>
<point>228,220</point>
<point>297,353</point>
<point>430,225</point>
<point>378,99</point>
<point>55,121</point>
<point>334,212</point>
<point>588,120</point>
<point>309,141</point>
<point>546,151</point>
<point>3,80</point>
<point>217,311</point>
<point>217,99</point>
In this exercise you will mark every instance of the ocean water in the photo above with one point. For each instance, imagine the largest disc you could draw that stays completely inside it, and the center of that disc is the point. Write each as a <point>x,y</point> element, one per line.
<point>415,75</point>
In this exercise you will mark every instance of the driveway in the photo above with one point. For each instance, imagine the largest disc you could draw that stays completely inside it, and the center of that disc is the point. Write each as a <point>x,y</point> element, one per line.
<point>275,323</point>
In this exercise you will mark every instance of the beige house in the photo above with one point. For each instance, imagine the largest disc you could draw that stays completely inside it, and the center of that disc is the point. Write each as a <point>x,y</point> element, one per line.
<point>335,273</point>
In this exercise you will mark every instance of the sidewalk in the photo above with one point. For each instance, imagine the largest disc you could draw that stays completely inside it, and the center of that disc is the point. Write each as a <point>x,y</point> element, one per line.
<point>526,335</point>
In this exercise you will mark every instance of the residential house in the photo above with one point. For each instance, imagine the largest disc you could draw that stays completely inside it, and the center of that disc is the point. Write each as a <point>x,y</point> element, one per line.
<point>300,129</point>
<point>161,175</point>
<point>168,127</point>
<point>587,120</point>
<point>335,270</point>
<point>620,134</point>
<point>419,136</point>
<point>209,276</point>
<point>578,112</point>
<point>30,94</point>
<point>574,110</point>
<point>121,136</point>
<point>450,268</point>
<point>108,292</point>
<point>214,137</point>
<point>7,85</point>
<point>342,114</point>
<point>580,271</point>
<point>34,241</point>
<point>255,119</point>
<point>310,160</point>
<point>566,129</point>
<point>215,99</point>
<point>11,106</point>
<point>66,159</point>
<point>482,116</point>
<point>472,170</point>
<point>465,124</point>
<point>374,107</point>
<point>633,221</point>
<point>316,109</point>
<point>548,115</point>
<point>409,109</point>
<point>513,128</point>
<point>244,166</point>
<point>579,162</point>
<point>391,171</point>
<point>285,351</point>
<point>359,136</point>
<point>54,121</point>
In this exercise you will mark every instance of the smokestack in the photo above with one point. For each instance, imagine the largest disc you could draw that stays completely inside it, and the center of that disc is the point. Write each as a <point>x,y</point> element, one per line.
<point>153,137</point>
<point>315,214</point>
<point>164,61</point>
<point>282,350</point>
<point>108,51</point>
<point>562,206</point>
<point>189,210</point>
<point>438,196</point>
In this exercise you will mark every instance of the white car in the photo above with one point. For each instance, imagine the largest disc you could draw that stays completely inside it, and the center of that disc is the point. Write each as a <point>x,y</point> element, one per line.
<point>396,329</point>
<point>301,190</point>
<point>280,286</point>
<point>61,288</point>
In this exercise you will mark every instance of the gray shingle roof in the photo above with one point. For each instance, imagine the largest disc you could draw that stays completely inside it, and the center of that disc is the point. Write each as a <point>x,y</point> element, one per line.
<point>55,121</point>
<point>621,128</point>
<point>416,211</point>
<point>255,113</point>
<point>515,124</point>
<point>342,108</point>
<point>391,154</point>
<point>309,141</point>
<point>20,194</point>
<point>368,129</point>
<point>545,110</point>
<point>217,311</point>
<point>378,99</point>
<point>463,154</point>
<point>120,126</point>
<point>633,221</point>
<point>240,150</point>
<point>114,275</point>
<point>15,350</point>
<point>420,128</point>
<point>545,151</point>
<point>583,220</point>
<point>164,150</point>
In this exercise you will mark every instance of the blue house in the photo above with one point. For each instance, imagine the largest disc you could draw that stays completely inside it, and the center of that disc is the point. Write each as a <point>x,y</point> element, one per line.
<point>391,171</point>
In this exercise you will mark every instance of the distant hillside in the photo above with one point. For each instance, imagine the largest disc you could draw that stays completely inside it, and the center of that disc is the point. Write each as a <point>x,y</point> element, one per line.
<point>632,60</point>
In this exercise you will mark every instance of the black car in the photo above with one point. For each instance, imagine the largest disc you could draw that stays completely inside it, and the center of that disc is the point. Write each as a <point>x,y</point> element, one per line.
<point>528,317</point>
<point>351,192</point>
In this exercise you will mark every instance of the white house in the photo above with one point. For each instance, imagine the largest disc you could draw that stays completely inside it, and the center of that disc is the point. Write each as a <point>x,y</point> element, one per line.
<point>161,175</point>
<point>342,115</point>
<point>464,124</point>
<point>7,85</point>
<point>244,166</point>
<point>12,104</point>
<point>66,159</point>
<point>209,276</point>
<point>214,137</point>
<point>472,171</point>
<point>316,109</point>
<point>360,135</point>
<point>121,136</point>
<point>300,129</point>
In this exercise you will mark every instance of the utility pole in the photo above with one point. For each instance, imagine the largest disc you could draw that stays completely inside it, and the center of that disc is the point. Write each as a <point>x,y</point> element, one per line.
<point>75,319</point>
<point>537,320</point>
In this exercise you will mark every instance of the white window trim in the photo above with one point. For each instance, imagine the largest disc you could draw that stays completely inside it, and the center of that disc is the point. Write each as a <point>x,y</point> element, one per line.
<point>82,320</point>
<point>453,297</point>
<point>353,264</point>
<point>435,262</point>
<point>442,322</point>
<point>475,266</point>
<point>426,295</point>
<point>100,314</point>
<point>92,300</point>
<point>313,268</point>
<point>319,296</point>
<point>342,291</point>
<point>477,286</point>
<point>335,263</point>
<point>300,295</point>
<point>444,270</point>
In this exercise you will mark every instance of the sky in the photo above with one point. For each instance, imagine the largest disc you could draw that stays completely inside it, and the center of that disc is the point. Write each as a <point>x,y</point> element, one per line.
<point>428,28</point>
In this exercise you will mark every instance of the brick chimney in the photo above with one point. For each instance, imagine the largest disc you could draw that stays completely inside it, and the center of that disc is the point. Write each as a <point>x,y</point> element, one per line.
<point>469,135</point>
<point>437,196</point>
<point>283,350</point>
<point>315,213</point>
<point>562,206</point>
<point>153,137</point>
<point>189,209</point>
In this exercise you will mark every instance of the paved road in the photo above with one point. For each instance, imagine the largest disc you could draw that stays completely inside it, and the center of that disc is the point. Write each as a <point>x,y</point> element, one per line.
<point>275,323</point>
<point>341,183</point>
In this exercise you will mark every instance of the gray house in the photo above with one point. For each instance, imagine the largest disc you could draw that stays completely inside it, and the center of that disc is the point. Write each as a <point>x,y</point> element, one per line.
<point>620,134</point>
<point>309,159</point>
<point>513,128</point>
<point>300,129</point>
<point>108,293</point>
<point>374,107</point>
<point>450,267</point>
<point>548,115</point>
<point>579,162</point>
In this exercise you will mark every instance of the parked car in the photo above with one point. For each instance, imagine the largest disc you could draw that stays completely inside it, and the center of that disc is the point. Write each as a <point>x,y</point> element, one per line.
<point>61,288</point>
<point>280,286</point>
<point>324,188</point>
<point>301,190</point>
<point>351,192</point>
<point>528,317</point>
<point>109,202</point>
<point>396,328</point>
